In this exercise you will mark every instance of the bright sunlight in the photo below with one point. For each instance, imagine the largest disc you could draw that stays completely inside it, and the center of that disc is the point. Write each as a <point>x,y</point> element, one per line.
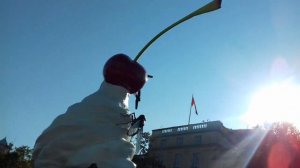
<point>275,103</point>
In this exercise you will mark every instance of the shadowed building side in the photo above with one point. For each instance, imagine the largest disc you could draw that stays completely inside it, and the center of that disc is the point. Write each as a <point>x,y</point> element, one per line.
<point>195,145</point>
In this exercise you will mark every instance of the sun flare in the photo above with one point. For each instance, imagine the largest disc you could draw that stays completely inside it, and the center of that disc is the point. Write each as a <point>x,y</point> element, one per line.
<point>278,102</point>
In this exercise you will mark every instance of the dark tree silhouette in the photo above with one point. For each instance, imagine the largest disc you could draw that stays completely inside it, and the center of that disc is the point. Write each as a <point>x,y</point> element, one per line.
<point>279,149</point>
<point>146,161</point>
<point>19,157</point>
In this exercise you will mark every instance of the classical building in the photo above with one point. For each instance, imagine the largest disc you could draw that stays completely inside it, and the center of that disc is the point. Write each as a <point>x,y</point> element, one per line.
<point>207,144</point>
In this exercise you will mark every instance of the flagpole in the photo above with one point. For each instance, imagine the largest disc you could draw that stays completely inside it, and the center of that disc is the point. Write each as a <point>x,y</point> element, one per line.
<point>190,115</point>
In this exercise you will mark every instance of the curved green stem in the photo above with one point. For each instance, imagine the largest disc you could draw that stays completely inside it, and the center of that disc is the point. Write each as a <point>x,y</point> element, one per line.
<point>214,5</point>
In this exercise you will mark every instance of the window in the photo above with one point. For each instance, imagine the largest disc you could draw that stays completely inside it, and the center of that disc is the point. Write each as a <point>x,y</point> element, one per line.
<point>195,160</point>
<point>163,143</point>
<point>177,161</point>
<point>161,158</point>
<point>198,139</point>
<point>179,141</point>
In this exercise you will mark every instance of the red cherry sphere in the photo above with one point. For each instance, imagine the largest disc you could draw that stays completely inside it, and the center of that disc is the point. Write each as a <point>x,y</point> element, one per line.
<point>121,70</point>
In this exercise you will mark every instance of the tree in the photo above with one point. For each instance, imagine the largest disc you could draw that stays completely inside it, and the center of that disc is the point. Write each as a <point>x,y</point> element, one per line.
<point>146,161</point>
<point>279,149</point>
<point>145,140</point>
<point>143,144</point>
<point>18,157</point>
<point>143,159</point>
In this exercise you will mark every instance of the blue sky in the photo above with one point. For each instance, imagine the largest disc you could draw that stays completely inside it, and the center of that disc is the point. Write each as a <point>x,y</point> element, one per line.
<point>52,54</point>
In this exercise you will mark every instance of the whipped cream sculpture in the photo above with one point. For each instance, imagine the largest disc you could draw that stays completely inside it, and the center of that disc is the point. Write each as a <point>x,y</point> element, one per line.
<point>89,134</point>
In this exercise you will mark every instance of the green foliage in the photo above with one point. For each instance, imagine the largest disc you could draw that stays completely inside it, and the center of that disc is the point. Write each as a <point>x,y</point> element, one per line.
<point>18,157</point>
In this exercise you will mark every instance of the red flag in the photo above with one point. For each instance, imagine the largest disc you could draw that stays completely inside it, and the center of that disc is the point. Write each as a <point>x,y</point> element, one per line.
<point>194,104</point>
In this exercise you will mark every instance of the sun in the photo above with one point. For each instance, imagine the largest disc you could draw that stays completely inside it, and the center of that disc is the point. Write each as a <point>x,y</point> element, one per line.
<point>279,102</point>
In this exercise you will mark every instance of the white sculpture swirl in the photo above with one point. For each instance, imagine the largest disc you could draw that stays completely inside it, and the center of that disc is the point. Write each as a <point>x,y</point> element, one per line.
<point>89,133</point>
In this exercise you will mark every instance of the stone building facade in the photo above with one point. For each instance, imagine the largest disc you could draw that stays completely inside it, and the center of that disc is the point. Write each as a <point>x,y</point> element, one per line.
<point>207,144</point>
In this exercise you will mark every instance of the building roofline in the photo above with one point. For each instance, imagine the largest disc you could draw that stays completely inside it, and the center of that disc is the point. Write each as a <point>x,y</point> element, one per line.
<point>209,122</point>
<point>184,129</point>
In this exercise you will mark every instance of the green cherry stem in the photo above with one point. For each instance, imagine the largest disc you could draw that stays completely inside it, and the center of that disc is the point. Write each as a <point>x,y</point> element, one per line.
<point>214,5</point>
